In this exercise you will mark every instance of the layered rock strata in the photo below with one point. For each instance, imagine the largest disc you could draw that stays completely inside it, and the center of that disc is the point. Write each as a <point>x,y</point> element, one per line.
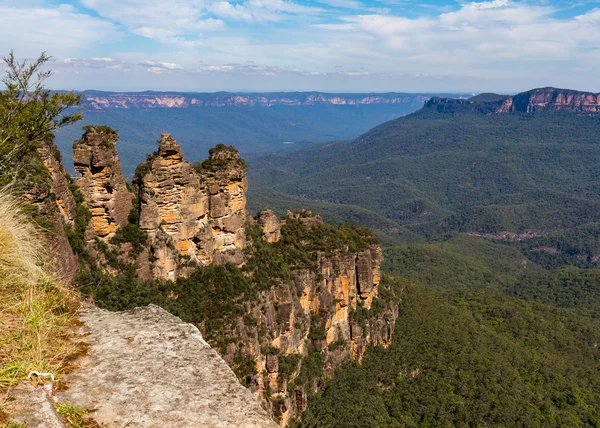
<point>313,314</point>
<point>224,173</point>
<point>107,100</point>
<point>556,100</point>
<point>101,182</point>
<point>192,214</point>
<point>536,100</point>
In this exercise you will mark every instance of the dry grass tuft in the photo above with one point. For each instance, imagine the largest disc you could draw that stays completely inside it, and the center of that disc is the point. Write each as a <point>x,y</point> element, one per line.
<point>36,310</point>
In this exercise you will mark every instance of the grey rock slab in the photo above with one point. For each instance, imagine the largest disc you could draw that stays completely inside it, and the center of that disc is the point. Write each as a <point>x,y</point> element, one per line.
<point>147,368</point>
<point>33,407</point>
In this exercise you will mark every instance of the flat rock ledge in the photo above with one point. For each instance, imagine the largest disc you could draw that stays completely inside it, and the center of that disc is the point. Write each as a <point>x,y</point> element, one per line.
<point>147,368</point>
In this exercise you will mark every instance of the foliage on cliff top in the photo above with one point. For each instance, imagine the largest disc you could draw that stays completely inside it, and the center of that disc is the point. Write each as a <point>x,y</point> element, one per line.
<point>325,237</point>
<point>299,248</point>
<point>101,129</point>
<point>29,113</point>
<point>35,308</point>
<point>220,157</point>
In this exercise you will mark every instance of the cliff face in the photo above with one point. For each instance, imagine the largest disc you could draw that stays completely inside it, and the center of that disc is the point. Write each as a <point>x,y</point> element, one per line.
<point>55,204</point>
<point>106,100</point>
<point>189,215</point>
<point>102,183</point>
<point>542,99</point>
<point>320,317</point>
<point>556,100</point>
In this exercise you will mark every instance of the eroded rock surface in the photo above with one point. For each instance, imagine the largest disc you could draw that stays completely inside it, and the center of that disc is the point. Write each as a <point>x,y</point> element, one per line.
<point>147,368</point>
<point>56,205</point>
<point>270,225</point>
<point>225,175</point>
<point>34,408</point>
<point>311,313</point>
<point>102,183</point>
<point>192,214</point>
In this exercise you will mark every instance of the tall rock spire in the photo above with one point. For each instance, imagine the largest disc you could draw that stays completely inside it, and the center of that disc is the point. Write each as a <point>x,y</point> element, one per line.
<point>192,214</point>
<point>102,183</point>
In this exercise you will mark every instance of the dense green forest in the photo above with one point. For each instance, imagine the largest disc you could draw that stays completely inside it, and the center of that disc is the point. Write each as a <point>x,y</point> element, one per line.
<point>434,172</point>
<point>490,227</point>
<point>474,358</point>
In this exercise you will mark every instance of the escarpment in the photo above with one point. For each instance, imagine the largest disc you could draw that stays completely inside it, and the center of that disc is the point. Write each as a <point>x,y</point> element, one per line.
<point>536,100</point>
<point>556,100</point>
<point>102,182</point>
<point>285,300</point>
<point>319,315</point>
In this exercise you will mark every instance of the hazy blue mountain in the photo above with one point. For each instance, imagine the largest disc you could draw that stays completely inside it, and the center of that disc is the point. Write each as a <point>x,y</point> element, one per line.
<point>254,122</point>
<point>459,165</point>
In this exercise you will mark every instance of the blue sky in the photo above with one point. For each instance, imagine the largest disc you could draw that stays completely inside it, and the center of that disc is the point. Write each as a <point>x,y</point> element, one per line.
<point>325,45</point>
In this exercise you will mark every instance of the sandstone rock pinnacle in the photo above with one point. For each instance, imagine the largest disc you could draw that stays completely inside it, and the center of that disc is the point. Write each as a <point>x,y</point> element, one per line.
<point>102,183</point>
<point>192,214</point>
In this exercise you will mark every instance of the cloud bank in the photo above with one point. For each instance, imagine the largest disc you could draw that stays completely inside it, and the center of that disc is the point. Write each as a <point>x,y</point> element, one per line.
<point>283,44</point>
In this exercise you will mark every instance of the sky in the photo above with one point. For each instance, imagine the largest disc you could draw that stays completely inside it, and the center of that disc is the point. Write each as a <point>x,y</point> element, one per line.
<point>298,45</point>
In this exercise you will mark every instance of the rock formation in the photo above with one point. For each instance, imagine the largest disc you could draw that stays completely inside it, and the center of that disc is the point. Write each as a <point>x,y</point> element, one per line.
<point>225,175</point>
<point>323,312</point>
<point>316,310</point>
<point>270,225</point>
<point>550,99</point>
<point>102,183</point>
<point>145,368</point>
<point>192,215</point>
<point>55,208</point>
<point>174,210</point>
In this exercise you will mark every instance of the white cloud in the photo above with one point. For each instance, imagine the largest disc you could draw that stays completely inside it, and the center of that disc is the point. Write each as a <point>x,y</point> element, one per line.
<point>261,10</point>
<point>479,39</point>
<point>157,67</point>
<point>166,65</point>
<point>92,62</point>
<point>57,30</point>
<point>170,22</point>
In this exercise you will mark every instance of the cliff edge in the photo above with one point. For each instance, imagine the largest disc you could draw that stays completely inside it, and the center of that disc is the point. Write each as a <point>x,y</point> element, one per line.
<point>147,368</point>
<point>535,100</point>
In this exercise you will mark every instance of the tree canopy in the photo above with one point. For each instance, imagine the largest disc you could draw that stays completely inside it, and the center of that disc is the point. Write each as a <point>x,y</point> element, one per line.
<point>29,114</point>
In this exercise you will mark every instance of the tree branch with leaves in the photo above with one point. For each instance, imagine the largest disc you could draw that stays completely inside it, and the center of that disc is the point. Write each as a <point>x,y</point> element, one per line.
<point>29,115</point>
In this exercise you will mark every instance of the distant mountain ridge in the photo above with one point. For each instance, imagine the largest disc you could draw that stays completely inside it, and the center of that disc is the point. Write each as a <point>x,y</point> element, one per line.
<point>253,122</point>
<point>535,100</point>
<point>487,165</point>
<point>99,100</point>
